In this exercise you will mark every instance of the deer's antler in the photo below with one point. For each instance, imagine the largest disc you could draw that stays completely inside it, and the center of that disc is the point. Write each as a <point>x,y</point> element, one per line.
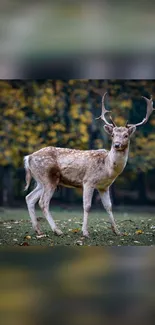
<point>104,110</point>
<point>149,111</point>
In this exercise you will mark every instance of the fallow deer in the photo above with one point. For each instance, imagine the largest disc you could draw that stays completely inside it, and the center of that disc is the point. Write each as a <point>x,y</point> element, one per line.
<point>87,169</point>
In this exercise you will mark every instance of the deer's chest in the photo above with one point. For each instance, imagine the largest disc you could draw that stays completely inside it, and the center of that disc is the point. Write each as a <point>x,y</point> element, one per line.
<point>106,180</point>
<point>107,177</point>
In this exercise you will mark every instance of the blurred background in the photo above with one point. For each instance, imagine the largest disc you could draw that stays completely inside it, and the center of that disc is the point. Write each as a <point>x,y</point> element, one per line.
<point>77,39</point>
<point>80,286</point>
<point>39,113</point>
<point>71,40</point>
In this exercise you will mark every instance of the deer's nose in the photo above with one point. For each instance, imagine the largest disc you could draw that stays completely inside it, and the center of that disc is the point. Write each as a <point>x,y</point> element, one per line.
<point>117,145</point>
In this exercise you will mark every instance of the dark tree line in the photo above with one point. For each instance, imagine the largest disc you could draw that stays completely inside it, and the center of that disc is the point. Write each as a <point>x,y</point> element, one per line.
<point>38,113</point>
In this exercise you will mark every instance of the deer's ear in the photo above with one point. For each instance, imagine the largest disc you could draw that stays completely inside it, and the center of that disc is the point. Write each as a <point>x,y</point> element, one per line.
<point>108,129</point>
<point>131,130</point>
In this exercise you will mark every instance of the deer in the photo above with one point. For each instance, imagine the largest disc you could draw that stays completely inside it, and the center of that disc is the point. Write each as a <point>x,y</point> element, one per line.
<point>52,166</point>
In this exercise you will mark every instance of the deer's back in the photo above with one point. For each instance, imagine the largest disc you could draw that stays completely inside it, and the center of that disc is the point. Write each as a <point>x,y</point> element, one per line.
<point>72,165</point>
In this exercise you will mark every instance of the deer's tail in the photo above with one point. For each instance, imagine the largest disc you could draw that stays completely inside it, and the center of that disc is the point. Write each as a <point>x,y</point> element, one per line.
<point>28,172</point>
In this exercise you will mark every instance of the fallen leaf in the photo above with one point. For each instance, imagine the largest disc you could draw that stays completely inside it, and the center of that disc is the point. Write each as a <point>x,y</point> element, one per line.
<point>138,232</point>
<point>40,236</point>
<point>75,230</point>
<point>27,237</point>
<point>136,242</point>
<point>24,244</point>
<point>125,234</point>
<point>79,242</point>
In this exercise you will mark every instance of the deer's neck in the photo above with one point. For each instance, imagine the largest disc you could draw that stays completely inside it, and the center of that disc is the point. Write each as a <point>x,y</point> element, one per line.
<point>118,159</point>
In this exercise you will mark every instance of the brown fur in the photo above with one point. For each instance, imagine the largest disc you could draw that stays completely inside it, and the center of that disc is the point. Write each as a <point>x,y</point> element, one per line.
<point>54,175</point>
<point>91,169</point>
<point>88,169</point>
<point>66,167</point>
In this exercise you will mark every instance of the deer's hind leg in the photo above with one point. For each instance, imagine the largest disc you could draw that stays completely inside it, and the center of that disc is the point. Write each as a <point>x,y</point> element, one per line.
<point>31,200</point>
<point>49,180</point>
<point>48,176</point>
<point>44,203</point>
<point>87,200</point>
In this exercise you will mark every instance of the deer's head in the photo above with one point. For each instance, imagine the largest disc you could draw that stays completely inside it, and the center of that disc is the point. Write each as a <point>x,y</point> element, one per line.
<point>121,135</point>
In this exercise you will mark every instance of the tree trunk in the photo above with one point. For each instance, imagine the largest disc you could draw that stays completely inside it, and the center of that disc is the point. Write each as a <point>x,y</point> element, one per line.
<point>141,182</point>
<point>1,185</point>
<point>8,186</point>
<point>113,195</point>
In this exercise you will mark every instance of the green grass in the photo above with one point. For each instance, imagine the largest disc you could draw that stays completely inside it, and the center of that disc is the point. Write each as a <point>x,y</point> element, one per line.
<point>15,225</point>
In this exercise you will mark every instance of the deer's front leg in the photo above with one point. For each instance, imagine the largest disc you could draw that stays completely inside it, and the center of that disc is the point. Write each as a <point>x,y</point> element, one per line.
<point>105,198</point>
<point>87,200</point>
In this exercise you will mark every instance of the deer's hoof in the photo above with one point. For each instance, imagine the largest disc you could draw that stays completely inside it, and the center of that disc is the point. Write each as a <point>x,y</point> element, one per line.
<point>38,231</point>
<point>120,234</point>
<point>116,231</point>
<point>86,233</point>
<point>58,232</point>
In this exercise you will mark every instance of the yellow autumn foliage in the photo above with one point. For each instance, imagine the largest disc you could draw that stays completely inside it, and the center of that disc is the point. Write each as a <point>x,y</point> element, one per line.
<point>126,104</point>
<point>34,114</point>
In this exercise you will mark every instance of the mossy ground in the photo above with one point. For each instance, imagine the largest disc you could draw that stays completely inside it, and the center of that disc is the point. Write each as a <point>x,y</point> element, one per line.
<point>139,228</point>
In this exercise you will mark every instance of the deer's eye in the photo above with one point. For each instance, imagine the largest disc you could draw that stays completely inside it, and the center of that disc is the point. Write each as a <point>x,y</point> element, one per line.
<point>126,136</point>
<point>112,136</point>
